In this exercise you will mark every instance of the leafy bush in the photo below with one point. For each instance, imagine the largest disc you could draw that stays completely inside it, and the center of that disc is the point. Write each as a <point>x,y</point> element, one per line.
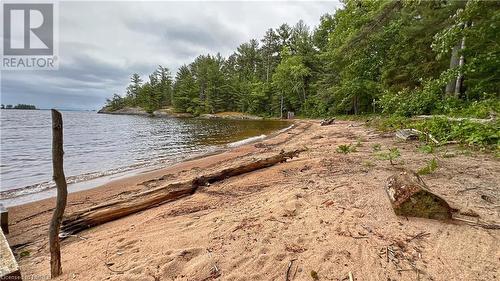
<point>411,102</point>
<point>476,109</point>
<point>426,149</point>
<point>392,154</point>
<point>431,166</point>
<point>482,135</point>
<point>345,148</point>
<point>465,132</point>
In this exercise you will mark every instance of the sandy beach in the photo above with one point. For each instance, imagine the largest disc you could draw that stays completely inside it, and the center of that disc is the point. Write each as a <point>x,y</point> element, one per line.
<point>323,215</point>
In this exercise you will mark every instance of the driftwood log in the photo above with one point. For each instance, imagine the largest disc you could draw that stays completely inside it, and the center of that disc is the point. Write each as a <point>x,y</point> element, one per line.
<point>327,122</point>
<point>9,269</point>
<point>134,203</point>
<point>456,119</point>
<point>412,134</point>
<point>4,219</point>
<point>410,196</point>
<point>62,193</point>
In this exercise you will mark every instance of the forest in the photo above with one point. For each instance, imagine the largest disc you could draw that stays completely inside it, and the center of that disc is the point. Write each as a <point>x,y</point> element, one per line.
<point>19,106</point>
<point>389,58</point>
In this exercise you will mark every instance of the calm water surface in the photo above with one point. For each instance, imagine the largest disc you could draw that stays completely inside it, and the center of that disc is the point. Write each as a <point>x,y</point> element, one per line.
<point>98,145</point>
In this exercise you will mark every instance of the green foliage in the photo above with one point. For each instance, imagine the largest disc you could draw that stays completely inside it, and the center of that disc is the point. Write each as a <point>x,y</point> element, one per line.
<point>115,103</point>
<point>290,78</point>
<point>399,58</point>
<point>476,109</point>
<point>152,95</point>
<point>359,142</point>
<point>20,106</point>
<point>429,168</point>
<point>24,254</point>
<point>409,102</point>
<point>346,148</point>
<point>426,149</point>
<point>391,155</point>
<point>376,147</point>
<point>466,132</point>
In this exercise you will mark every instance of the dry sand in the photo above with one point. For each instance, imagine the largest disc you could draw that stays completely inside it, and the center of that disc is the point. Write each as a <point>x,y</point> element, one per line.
<point>325,211</point>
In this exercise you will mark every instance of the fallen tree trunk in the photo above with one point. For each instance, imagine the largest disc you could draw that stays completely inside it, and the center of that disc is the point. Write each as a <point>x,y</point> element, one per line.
<point>412,134</point>
<point>455,119</point>
<point>327,122</point>
<point>116,209</point>
<point>410,196</point>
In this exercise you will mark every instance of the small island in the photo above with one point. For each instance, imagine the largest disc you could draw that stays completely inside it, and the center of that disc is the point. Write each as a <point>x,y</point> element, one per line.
<point>19,106</point>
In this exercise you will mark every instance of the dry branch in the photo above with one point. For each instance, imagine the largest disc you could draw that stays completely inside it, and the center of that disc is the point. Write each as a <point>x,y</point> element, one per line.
<point>137,202</point>
<point>62,193</point>
<point>287,276</point>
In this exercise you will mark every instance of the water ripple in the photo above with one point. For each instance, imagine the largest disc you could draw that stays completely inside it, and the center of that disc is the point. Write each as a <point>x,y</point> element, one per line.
<point>97,145</point>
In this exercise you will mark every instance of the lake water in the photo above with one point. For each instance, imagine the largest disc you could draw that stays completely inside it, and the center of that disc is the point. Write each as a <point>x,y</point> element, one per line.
<point>98,145</point>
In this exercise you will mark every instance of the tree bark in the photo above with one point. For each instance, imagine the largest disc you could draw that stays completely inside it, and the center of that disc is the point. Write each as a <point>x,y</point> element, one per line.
<point>281,107</point>
<point>137,202</point>
<point>461,61</point>
<point>267,68</point>
<point>355,101</point>
<point>450,87</point>
<point>62,193</point>
<point>411,197</point>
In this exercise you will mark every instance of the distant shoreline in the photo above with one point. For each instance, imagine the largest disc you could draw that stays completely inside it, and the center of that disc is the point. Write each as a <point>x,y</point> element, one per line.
<point>168,112</point>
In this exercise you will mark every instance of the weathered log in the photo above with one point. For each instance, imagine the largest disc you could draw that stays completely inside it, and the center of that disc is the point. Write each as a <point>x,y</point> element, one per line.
<point>137,202</point>
<point>62,193</point>
<point>456,119</point>
<point>327,122</point>
<point>9,269</point>
<point>410,196</point>
<point>412,134</point>
<point>4,219</point>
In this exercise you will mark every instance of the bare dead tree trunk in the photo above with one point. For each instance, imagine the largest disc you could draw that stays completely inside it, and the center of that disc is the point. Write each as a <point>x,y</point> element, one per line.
<point>62,193</point>
<point>450,87</point>
<point>461,61</point>
<point>267,68</point>
<point>281,107</point>
<point>355,103</point>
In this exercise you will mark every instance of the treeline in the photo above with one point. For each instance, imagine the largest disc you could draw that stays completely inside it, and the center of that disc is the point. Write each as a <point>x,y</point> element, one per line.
<point>397,57</point>
<point>18,106</point>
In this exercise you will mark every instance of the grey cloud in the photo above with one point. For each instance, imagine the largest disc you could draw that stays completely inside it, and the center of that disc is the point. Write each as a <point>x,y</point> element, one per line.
<point>207,33</point>
<point>103,43</point>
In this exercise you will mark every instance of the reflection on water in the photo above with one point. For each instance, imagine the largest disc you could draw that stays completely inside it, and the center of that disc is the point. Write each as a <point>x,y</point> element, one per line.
<point>99,144</point>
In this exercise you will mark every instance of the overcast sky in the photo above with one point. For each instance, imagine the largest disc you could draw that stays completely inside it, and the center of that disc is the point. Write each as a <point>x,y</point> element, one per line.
<point>102,43</point>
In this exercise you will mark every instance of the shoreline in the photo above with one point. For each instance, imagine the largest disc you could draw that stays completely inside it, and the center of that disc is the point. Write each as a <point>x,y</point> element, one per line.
<point>25,196</point>
<point>325,210</point>
<point>23,237</point>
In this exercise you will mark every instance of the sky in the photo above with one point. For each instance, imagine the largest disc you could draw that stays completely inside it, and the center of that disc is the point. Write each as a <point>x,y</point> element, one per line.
<point>102,43</point>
